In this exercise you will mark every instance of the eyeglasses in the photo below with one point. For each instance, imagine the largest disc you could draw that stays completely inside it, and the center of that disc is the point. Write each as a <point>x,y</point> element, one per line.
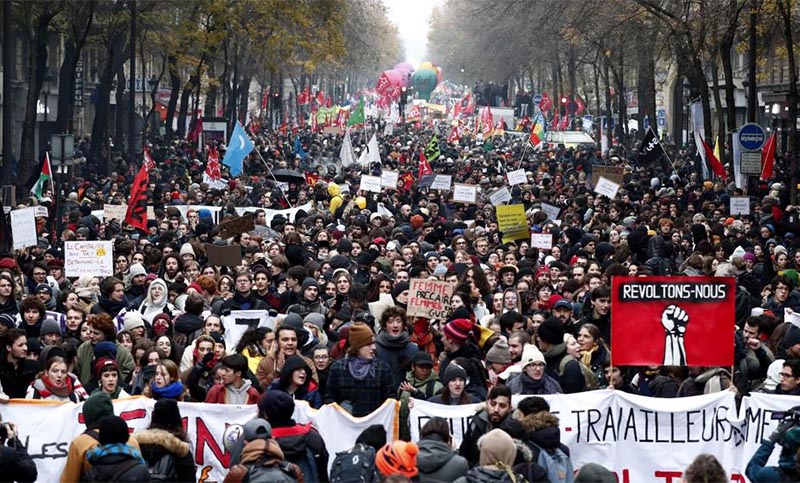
<point>321,358</point>
<point>787,375</point>
<point>537,365</point>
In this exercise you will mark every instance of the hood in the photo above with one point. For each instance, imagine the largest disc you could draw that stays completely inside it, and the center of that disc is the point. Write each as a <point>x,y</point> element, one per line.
<point>333,189</point>
<point>293,362</point>
<point>433,455</point>
<point>487,474</point>
<point>163,439</point>
<point>542,429</point>
<point>267,448</point>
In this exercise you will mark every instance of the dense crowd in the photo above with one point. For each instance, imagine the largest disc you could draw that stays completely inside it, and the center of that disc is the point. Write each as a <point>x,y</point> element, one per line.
<point>335,279</point>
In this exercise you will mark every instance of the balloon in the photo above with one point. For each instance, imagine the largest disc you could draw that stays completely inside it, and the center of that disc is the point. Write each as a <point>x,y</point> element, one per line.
<point>439,75</point>
<point>424,82</point>
<point>395,77</point>
<point>426,65</point>
<point>404,66</point>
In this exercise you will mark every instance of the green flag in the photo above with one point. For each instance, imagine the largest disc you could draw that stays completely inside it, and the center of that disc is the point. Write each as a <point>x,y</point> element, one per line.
<point>432,151</point>
<point>357,117</point>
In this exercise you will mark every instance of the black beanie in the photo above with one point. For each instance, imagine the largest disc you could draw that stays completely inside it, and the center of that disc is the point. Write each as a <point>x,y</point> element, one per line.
<point>166,414</point>
<point>113,429</point>
<point>552,331</point>
<point>374,435</point>
<point>277,408</point>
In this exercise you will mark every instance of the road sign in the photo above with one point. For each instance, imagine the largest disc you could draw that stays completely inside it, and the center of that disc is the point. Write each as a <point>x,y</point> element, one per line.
<point>751,137</point>
<point>750,162</point>
<point>537,99</point>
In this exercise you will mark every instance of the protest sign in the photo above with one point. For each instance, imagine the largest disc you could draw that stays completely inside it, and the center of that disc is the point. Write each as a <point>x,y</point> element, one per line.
<point>224,256</point>
<point>464,193</point>
<point>238,321</point>
<point>429,298</point>
<point>88,258</point>
<point>677,316</point>
<point>611,173</point>
<point>370,183</point>
<point>442,182</point>
<point>269,214</point>
<point>41,211</point>
<point>512,223</point>
<point>542,241</point>
<point>740,205</point>
<point>244,224</point>
<point>517,177</point>
<point>606,187</point>
<point>383,211</point>
<point>500,196</point>
<point>389,179</point>
<point>114,212</point>
<point>426,181</point>
<point>551,211</point>
<point>23,228</point>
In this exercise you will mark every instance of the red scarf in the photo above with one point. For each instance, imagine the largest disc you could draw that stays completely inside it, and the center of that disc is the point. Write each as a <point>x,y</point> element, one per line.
<point>50,389</point>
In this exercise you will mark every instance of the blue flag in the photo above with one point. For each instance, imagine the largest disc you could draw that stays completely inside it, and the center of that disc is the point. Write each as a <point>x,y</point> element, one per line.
<point>298,149</point>
<point>239,147</point>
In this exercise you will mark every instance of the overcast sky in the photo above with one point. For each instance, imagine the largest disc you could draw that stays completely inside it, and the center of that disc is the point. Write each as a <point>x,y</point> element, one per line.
<point>412,19</point>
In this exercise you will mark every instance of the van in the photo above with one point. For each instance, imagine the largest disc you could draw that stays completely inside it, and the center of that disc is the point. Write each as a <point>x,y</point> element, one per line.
<point>570,139</point>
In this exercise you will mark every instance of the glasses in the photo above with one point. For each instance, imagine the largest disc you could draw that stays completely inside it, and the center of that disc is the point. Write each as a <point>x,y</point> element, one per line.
<point>537,365</point>
<point>321,358</point>
<point>787,375</point>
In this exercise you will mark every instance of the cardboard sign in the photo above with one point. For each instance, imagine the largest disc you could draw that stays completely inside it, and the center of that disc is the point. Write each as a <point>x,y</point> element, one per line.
<point>613,173</point>
<point>227,256</point>
<point>370,183</point>
<point>41,211</point>
<point>678,316</point>
<point>606,187</point>
<point>500,196</point>
<point>429,298</point>
<point>517,177</point>
<point>542,241</point>
<point>551,211</point>
<point>238,321</point>
<point>114,212</point>
<point>88,258</point>
<point>426,180</point>
<point>740,205</point>
<point>512,222</point>
<point>244,224</point>
<point>465,193</point>
<point>389,179</point>
<point>442,182</point>
<point>23,228</point>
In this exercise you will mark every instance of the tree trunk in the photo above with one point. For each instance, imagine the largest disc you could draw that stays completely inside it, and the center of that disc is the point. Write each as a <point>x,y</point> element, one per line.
<point>210,107</point>
<point>180,132</point>
<point>720,115</point>
<point>66,87</point>
<point>9,44</point>
<point>792,97</point>
<point>37,67</point>
<point>244,89</point>
<point>175,85</point>
<point>101,110</point>
<point>646,85</point>
<point>730,93</point>
<point>121,118</point>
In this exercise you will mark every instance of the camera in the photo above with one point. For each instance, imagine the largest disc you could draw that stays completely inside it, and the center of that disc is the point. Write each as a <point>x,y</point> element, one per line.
<point>3,430</point>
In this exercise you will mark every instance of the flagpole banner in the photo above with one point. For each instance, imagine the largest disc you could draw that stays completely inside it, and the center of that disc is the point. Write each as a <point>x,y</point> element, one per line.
<point>239,147</point>
<point>672,320</point>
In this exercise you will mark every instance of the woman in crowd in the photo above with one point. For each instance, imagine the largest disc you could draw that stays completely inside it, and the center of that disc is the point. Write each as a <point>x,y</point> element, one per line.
<point>593,351</point>
<point>55,382</point>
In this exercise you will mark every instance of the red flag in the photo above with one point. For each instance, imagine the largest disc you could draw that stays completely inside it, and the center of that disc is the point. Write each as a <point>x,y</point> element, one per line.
<point>564,123</point>
<point>265,99</point>
<point>535,137</point>
<point>320,98</point>
<point>424,166</point>
<point>311,179</point>
<point>453,137</point>
<point>212,165</point>
<point>768,158</point>
<point>149,163</point>
<point>136,216</point>
<point>302,120</point>
<point>678,316</point>
<point>546,103</point>
<point>556,122</point>
<point>313,122</point>
<point>581,105</point>
<point>457,110</point>
<point>383,85</point>
<point>407,180</point>
<point>197,129</point>
<point>716,166</point>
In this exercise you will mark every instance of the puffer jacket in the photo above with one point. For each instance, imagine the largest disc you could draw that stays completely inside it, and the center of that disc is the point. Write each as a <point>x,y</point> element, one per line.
<point>542,430</point>
<point>438,462</point>
<point>156,443</point>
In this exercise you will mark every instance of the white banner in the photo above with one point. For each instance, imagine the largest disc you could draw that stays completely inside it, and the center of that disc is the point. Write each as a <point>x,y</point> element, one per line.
<point>370,183</point>
<point>88,258</point>
<point>23,228</point>
<point>238,321</point>
<point>517,177</point>
<point>389,179</point>
<point>465,193</point>
<point>442,182</point>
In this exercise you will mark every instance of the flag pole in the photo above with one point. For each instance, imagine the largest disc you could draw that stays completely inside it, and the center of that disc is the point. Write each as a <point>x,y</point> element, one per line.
<point>269,170</point>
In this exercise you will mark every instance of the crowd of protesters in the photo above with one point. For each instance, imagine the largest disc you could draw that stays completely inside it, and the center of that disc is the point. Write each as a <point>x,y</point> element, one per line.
<point>336,276</point>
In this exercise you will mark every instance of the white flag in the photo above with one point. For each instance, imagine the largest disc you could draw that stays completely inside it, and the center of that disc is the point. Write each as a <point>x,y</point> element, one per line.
<point>374,155</point>
<point>346,155</point>
<point>363,159</point>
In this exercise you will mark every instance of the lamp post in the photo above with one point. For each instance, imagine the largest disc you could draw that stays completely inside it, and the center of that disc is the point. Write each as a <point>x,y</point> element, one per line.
<point>62,149</point>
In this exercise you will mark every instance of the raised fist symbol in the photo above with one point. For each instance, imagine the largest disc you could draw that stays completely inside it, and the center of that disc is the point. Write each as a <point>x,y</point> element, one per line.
<point>674,319</point>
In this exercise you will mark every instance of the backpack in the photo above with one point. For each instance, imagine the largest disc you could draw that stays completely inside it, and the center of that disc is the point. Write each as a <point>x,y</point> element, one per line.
<point>589,376</point>
<point>96,475</point>
<point>557,464</point>
<point>163,469</point>
<point>280,472</point>
<point>356,465</point>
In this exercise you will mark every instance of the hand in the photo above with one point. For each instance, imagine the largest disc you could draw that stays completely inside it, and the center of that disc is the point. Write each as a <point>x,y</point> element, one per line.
<point>780,431</point>
<point>11,430</point>
<point>405,386</point>
<point>674,319</point>
<point>754,343</point>
<point>207,358</point>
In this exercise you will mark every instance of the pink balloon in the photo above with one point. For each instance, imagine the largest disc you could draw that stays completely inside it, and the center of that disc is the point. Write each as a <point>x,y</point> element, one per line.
<point>395,77</point>
<point>439,75</point>
<point>404,66</point>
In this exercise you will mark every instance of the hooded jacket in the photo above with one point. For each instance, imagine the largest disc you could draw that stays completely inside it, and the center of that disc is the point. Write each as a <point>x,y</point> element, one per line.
<point>218,394</point>
<point>258,461</point>
<point>308,391</point>
<point>298,443</point>
<point>542,430</point>
<point>397,352</point>
<point>107,460</point>
<point>438,462</point>
<point>486,474</point>
<point>156,443</point>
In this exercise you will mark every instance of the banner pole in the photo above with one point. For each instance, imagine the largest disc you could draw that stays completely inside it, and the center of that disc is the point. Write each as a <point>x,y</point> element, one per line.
<point>273,178</point>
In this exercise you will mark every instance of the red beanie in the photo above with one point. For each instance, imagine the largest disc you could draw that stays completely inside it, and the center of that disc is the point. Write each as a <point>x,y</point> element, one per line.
<point>458,330</point>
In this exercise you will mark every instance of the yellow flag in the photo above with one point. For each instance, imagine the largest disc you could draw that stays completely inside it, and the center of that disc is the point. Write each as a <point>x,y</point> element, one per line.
<point>718,150</point>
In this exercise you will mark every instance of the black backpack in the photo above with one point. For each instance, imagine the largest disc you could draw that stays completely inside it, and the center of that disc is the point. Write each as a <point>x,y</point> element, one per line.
<point>163,469</point>
<point>356,465</point>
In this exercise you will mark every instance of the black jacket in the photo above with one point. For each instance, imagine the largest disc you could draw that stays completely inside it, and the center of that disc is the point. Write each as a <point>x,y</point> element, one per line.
<point>15,462</point>
<point>155,443</point>
<point>15,381</point>
<point>240,302</point>
<point>302,445</point>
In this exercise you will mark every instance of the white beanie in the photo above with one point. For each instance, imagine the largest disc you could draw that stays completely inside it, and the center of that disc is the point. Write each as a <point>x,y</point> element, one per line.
<point>187,248</point>
<point>132,320</point>
<point>137,269</point>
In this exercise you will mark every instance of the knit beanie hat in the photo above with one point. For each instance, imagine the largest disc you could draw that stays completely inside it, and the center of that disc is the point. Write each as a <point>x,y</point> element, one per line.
<point>104,364</point>
<point>292,320</point>
<point>166,414</point>
<point>360,335</point>
<point>453,371</point>
<point>400,288</point>
<point>105,349</point>
<point>374,436</point>
<point>50,326</point>
<point>187,249</point>
<point>398,457</point>
<point>96,407</point>
<point>458,330</point>
<point>218,338</point>
<point>496,446</point>
<point>552,331</point>
<point>499,353</point>
<point>136,270</point>
<point>315,318</point>
<point>531,354</point>
<point>594,473</point>
<point>309,282</point>
<point>113,429</point>
<point>791,337</point>
<point>132,320</point>
<point>277,407</point>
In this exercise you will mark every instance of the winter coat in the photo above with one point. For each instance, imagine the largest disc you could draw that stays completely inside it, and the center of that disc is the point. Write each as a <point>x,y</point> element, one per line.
<point>572,379</point>
<point>438,462</point>
<point>156,443</point>
<point>107,460</point>
<point>307,392</point>
<point>240,302</point>
<point>542,430</point>
<point>521,383</point>
<point>397,352</point>
<point>758,472</point>
<point>270,367</point>
<point>84,368</point>
<point>218,394</point>
<point>15,381</point>
<point>487,474</point>
<point>16,463</point>
<point>365,395</point>
<point>260,462</point>
<point>473,365</point>
<point>478,426</point>
<point>302,445</point>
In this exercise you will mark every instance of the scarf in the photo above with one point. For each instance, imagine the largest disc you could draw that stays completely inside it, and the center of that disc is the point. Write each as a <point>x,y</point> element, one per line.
<point>423,337</point>
<point>360,368</point>
<point>586,356</point>
<point>531,385</point>
<point>396,342</point>
<point>112,306</point>
<point>46,388</point>
<point>172,390</point>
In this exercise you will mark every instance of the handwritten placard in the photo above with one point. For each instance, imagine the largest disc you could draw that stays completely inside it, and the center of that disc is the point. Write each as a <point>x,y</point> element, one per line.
<point>543,241</point>
<point>517,177</point>
<point>389,179</point>
<point>41,211</point>
<point>429,298</point>
<point>88,258</point>
<point>551,211</point>
<point>613,173</point>
<point>500,196</point>
<point>371,183</point>
<point>606,187</point>
<point>23,228</point>
<point>512,222</point>
<point>442,182</point>
<point>464,193</point>
<point>114,212</point>
<point>740,205</point>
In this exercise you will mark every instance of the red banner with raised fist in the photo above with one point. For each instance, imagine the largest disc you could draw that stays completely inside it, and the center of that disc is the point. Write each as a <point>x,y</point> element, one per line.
<point>673,321</point>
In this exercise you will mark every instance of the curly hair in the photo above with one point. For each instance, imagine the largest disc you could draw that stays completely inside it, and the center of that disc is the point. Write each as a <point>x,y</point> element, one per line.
<point>393,311</point>
<point>104,324</point>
